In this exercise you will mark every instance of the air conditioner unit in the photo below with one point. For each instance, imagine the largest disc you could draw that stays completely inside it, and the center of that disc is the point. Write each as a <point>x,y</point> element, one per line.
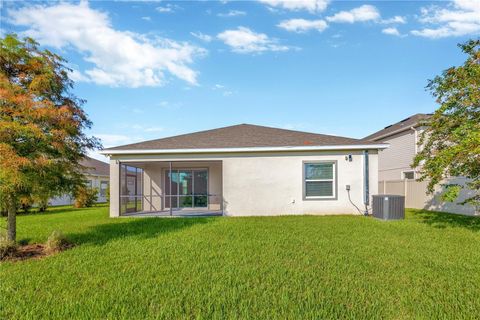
<point>388,207</point>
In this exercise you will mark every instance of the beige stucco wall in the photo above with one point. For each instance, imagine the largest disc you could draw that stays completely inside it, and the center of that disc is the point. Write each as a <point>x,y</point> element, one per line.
<point>273,185</point>
<point>267,183</point>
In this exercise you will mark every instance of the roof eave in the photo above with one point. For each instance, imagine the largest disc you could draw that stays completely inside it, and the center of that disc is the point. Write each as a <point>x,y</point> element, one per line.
<point>252,149</point>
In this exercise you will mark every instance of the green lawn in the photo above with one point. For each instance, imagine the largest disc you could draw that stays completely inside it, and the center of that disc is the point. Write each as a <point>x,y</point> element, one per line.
<point>427,266</point>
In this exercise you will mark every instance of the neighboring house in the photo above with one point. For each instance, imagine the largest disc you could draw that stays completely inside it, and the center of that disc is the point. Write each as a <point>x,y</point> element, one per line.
<point>243,170</point>
<point>96,175</point>
<point>395,174</point>
<point>395,162</point>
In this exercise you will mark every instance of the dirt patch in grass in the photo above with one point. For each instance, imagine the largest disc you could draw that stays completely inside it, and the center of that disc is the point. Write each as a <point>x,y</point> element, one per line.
<point>33,251</point>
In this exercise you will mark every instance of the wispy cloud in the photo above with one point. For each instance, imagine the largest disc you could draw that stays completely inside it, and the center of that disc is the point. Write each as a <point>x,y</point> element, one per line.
<point>360,14</point>
<point>147,18</point>
<point>391,31</point>
<point>202,36</point>
<point>458,19</point>
<point>302,25</point>
<point>244,40</point>
<point>120,58</point>
<point>232,13</point>
<point>394,20</point>
<point>311,6</point>
<point>168,8</point>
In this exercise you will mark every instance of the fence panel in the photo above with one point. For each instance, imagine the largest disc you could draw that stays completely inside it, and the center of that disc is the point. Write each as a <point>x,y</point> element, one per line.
<point>416,196</point>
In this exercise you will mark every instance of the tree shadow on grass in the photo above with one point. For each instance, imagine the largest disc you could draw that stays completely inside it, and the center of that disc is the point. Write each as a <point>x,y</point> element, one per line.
<point>60,209</point>
<point>143,228</point>
<point>444,220</point>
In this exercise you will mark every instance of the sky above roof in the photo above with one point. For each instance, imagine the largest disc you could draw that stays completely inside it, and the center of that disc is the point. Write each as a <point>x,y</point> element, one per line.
<point>151,69</point>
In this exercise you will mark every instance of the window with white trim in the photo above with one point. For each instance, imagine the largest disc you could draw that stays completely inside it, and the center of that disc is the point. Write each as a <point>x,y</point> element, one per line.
<point>408,175</point>
<point>319,180</point>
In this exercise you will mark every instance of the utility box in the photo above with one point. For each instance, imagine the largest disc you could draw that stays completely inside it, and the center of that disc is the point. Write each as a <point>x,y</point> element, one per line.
<point>388,207</point>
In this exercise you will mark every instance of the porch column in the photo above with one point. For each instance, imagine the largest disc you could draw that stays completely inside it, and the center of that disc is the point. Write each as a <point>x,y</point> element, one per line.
<point>170,188</point>
<point>114,188</point>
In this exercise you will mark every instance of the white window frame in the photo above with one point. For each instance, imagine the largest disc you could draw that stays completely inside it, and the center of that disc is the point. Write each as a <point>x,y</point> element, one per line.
<point>407,171</point>
<point>333,180</point>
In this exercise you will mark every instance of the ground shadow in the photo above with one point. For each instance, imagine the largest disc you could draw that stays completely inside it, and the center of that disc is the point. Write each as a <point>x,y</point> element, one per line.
<point>134,227</point>
<point>60,209</point>
<point>444,220</point>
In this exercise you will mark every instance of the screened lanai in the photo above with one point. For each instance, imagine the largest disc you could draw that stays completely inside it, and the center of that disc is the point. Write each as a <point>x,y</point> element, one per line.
<point>176,188</point>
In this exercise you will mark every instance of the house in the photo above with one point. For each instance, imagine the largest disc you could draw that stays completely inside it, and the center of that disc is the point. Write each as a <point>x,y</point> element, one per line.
<point>243,170</point>
<point>396,176</point>
<point>96,175</point>
<point>395,162</point>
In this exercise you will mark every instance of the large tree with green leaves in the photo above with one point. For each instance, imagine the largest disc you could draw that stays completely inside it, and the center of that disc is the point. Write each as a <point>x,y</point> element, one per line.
<point>450,145</point>
<point>42,126</point>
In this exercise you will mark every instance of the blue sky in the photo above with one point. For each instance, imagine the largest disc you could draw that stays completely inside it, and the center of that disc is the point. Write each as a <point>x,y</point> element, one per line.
<point>161,68</point>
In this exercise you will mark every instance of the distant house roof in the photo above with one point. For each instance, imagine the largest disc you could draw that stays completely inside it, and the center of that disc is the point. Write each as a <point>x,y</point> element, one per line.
<point>241,136</point>
<point>400,126</point>
<point>95,167</point>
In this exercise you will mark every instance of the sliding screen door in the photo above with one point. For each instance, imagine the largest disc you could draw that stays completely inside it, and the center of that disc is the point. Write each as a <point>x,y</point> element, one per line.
<point>186,188</point>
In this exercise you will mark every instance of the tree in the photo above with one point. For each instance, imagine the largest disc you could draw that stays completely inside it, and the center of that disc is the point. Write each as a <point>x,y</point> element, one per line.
<point>42,125</point>
<point>450,145</point>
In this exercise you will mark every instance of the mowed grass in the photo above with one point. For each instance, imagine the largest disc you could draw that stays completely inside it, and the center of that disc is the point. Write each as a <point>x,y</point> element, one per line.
<point>303,267</point>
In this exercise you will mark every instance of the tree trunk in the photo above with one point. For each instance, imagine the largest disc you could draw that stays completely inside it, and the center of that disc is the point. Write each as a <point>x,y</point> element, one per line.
<point>12,221</point>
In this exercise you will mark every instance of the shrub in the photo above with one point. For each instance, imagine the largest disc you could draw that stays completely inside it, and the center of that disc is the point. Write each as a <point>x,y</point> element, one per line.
<point>85,197</point>
<point>26,203</point>
<point>7,248</point>
<point>56,242</point>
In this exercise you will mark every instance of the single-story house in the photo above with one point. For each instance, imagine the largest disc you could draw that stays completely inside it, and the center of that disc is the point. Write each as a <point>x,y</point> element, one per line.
<point>96,175</point>
<point>243,170</point>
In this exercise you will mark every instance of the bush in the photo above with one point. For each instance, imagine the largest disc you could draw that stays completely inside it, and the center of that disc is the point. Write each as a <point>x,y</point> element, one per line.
<point>56,242</point>
<point>7,248</point>
<point>85,197</point>
<point>26,203</point>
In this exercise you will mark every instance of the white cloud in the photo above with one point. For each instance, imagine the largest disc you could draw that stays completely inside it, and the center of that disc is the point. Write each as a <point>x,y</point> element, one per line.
<point>119,58</point>
<point>298,5</point>
<point>147,18</point>
<point>111,140</point>
<point>232,13</point>
<point>302,25</point>
<point>169,8</point>
<point>202,36</point>
<point>460,19</point>
<point>244,40</point>
<point>391,31</point>
<point>164,9</point>
<point>395,20</point>
<point>360,14</point>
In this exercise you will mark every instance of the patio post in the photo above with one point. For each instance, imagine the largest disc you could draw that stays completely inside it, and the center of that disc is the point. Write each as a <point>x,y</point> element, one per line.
<point>170,164</point>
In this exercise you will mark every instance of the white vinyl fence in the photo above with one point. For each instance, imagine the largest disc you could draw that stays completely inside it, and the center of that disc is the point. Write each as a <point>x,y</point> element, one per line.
<point>416,196</point>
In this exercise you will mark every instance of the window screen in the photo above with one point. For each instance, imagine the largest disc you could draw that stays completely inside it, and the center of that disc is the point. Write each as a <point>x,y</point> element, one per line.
<point>319,180</point>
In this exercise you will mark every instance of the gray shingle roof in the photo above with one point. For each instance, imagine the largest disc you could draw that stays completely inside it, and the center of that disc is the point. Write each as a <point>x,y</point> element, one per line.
<point>242,136</point>
<point>406,123</point>
<point>94,166</point>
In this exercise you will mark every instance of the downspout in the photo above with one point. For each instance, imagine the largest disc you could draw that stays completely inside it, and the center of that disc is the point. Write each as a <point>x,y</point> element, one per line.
<point>366,182</point>
<point>416,139</point>
<point>416,147</point>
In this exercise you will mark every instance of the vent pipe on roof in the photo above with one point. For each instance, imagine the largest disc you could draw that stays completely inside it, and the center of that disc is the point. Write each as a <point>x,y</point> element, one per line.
<point>366,182</point>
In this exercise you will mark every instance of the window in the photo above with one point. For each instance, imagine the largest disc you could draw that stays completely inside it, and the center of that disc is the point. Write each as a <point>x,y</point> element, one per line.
<point>89,184</point>
<point>103,188</point>
<point>408,175</point>
<point>319,180</point>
